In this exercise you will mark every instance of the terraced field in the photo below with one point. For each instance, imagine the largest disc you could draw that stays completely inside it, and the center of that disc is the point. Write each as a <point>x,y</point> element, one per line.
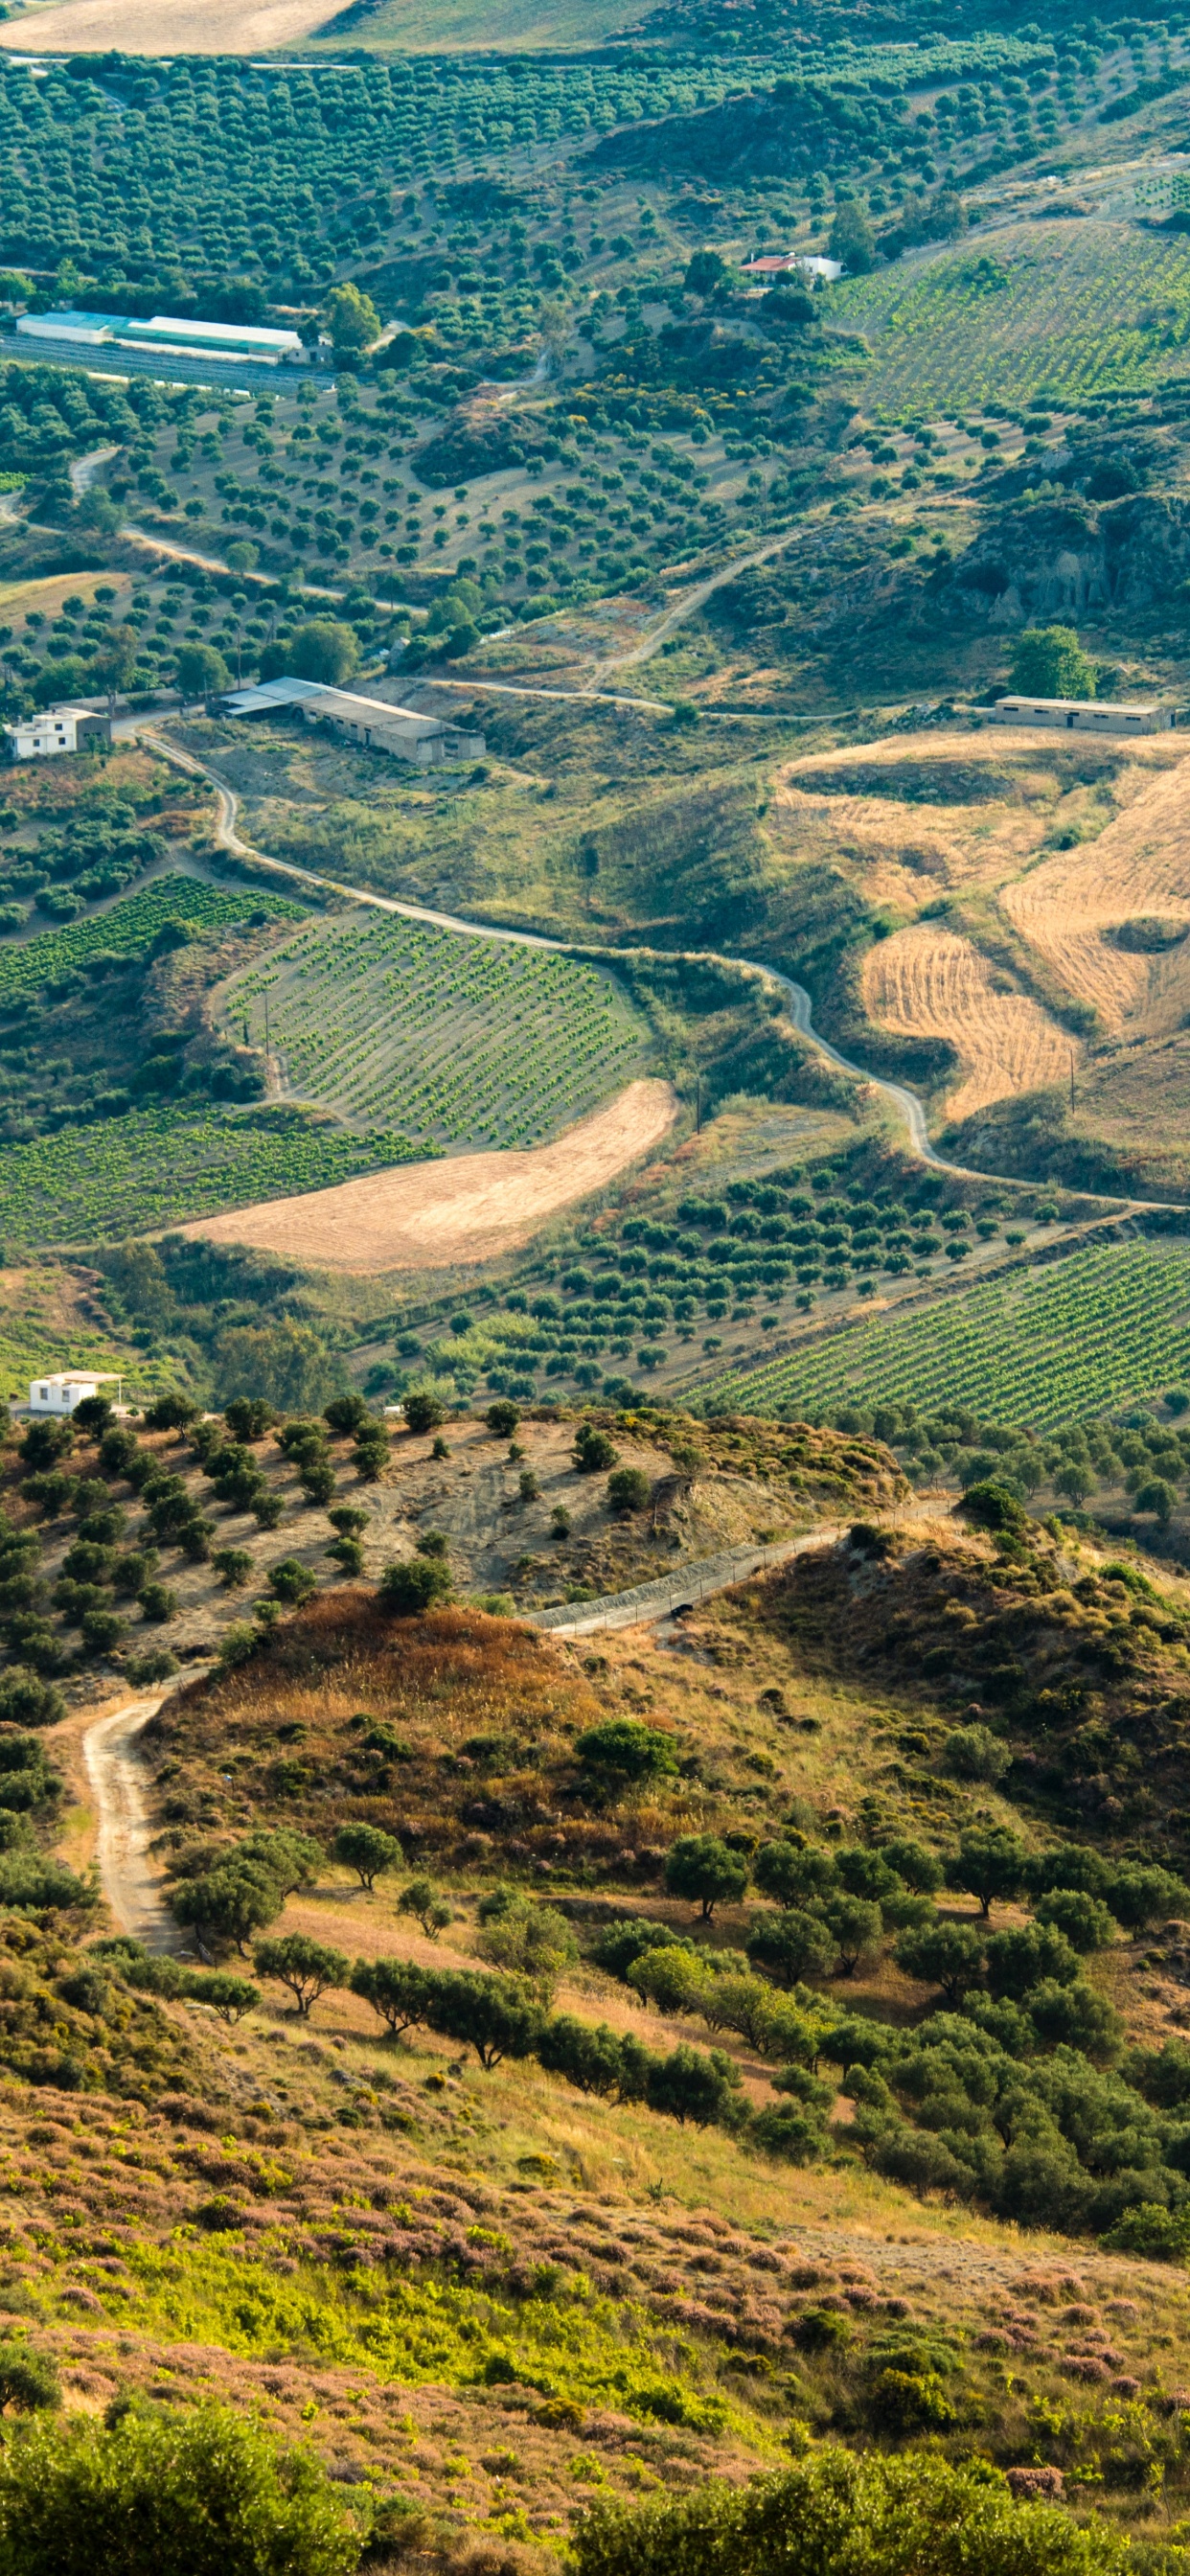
<point>1045,1346</point>
<point>464,1041</point>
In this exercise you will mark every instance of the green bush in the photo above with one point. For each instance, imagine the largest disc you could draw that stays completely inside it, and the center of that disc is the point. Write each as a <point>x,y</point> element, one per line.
<point>27,1700</point>
<point>839,2514</point>
<point>628,1491</point>
<point>422,1583</point>
<point>167,2494</point>
<point>367,1850</point>
<point>625,1750</point>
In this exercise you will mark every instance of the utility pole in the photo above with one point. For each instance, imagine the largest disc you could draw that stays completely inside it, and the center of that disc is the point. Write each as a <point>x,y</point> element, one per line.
<point>1072,1077</point>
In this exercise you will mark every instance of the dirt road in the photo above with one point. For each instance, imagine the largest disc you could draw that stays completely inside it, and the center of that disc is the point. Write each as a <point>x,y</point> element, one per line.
<point>115,1769</point>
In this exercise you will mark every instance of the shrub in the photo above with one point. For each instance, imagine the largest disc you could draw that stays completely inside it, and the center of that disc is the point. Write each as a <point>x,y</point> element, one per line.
<point>789,2132</point>
<point>974,1753</point>
<point>701,1867</point>
<point>1088,1925</point>
<point>992,1506</point>
<point>45,1442</point>
<point>167,2493</point>
<point>422,1583</point>
<point>348,1413</point>
<point>621,1944</point>
<point>228,1904</point>
<point>502,1418</point>
<point>171,1413</point>
<point>428,1908</point>
<point>29,2381</point>
<point>290,1580</point>
<point>368,1851</point>
<point>530,1941</point>
<point>593,1452</point>
<point>423,1411</point>
<point>27,1700</point>
<point>672,1978</point>
<point>248,1417</point>
<point>230,1997</point>
<point>154,1665</point>
<point>628,1491</point>
<point>625,1750</point>
<point>234,1564</point>
<point>839,2512</point>
<point>306,1967</point>
<point>158,1603</point>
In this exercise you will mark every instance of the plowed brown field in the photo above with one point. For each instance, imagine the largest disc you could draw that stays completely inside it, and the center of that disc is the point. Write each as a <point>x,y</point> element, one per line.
<point>927,982</point>
<point>469,1207</point>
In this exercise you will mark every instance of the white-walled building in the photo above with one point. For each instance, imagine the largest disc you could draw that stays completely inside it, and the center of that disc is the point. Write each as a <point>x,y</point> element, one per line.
<point>57,729</point>
<point>430,742</point>
<point>1083,715</point>
<point>61,1393</point>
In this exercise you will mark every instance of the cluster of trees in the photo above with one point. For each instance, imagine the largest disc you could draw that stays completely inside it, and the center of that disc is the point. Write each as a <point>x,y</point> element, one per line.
<point>1012,2091</point>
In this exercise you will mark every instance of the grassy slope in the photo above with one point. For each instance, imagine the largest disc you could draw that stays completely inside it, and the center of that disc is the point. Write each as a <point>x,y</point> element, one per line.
<point>449,2189</point>
<point>460,27</point>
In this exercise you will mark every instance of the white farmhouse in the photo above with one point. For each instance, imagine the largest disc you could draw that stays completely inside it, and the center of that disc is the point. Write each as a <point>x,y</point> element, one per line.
<point>57,729</point>
<point>60,1394</point>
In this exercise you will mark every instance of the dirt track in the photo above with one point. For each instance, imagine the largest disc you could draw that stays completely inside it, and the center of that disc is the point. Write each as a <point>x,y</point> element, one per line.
<point>470,1207</point>
<point>150,27</point>
<point>114,1769</point>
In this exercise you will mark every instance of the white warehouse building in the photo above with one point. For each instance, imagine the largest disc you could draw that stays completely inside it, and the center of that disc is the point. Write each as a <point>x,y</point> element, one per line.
<point>1083,715</point>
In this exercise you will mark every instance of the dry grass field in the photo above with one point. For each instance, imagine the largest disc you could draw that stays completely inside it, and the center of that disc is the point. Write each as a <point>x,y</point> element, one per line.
<point>927,982</point>
<point>157,27</point>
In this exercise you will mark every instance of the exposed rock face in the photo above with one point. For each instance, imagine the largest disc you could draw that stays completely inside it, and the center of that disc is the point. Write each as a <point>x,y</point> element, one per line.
<point>1065,561</point>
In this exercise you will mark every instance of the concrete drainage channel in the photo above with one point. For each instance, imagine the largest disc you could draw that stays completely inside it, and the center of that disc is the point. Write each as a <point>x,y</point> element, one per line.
<point>695,1582</point>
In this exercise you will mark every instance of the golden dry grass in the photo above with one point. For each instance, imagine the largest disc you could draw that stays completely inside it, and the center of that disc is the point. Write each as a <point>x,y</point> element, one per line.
<point>927,982</point>
<point>1138,866</point>
<point>181,27</point>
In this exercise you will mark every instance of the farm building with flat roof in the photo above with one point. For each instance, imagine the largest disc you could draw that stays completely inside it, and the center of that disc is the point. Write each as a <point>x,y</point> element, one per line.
<point>1083,715</point>
<point>372,722</point>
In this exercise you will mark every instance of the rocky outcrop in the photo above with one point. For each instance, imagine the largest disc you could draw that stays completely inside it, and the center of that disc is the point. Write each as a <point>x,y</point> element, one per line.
<point>1064,562</point>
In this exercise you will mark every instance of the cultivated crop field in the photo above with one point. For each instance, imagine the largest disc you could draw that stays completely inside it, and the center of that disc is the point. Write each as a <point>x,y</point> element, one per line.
<point>465,1041</point>
<point>1066,311</point>
<point>128,1175</point>
<point>1047,1346</point>
<point>130,929</point>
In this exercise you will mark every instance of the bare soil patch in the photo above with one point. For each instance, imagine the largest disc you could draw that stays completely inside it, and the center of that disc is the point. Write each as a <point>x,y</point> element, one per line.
<point>470,1207</point>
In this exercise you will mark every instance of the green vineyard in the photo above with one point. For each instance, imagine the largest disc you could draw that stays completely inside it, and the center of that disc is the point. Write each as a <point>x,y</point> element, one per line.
<point>1066,315</point>
<point>130,928</point>
<point>467,1041</point>
<point>158,1166</point>
<point>1046,1346</point>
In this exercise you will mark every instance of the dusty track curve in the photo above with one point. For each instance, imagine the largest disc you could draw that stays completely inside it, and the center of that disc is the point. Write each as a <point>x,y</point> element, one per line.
<point>116,1771</point>
<point>906,1103</point>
